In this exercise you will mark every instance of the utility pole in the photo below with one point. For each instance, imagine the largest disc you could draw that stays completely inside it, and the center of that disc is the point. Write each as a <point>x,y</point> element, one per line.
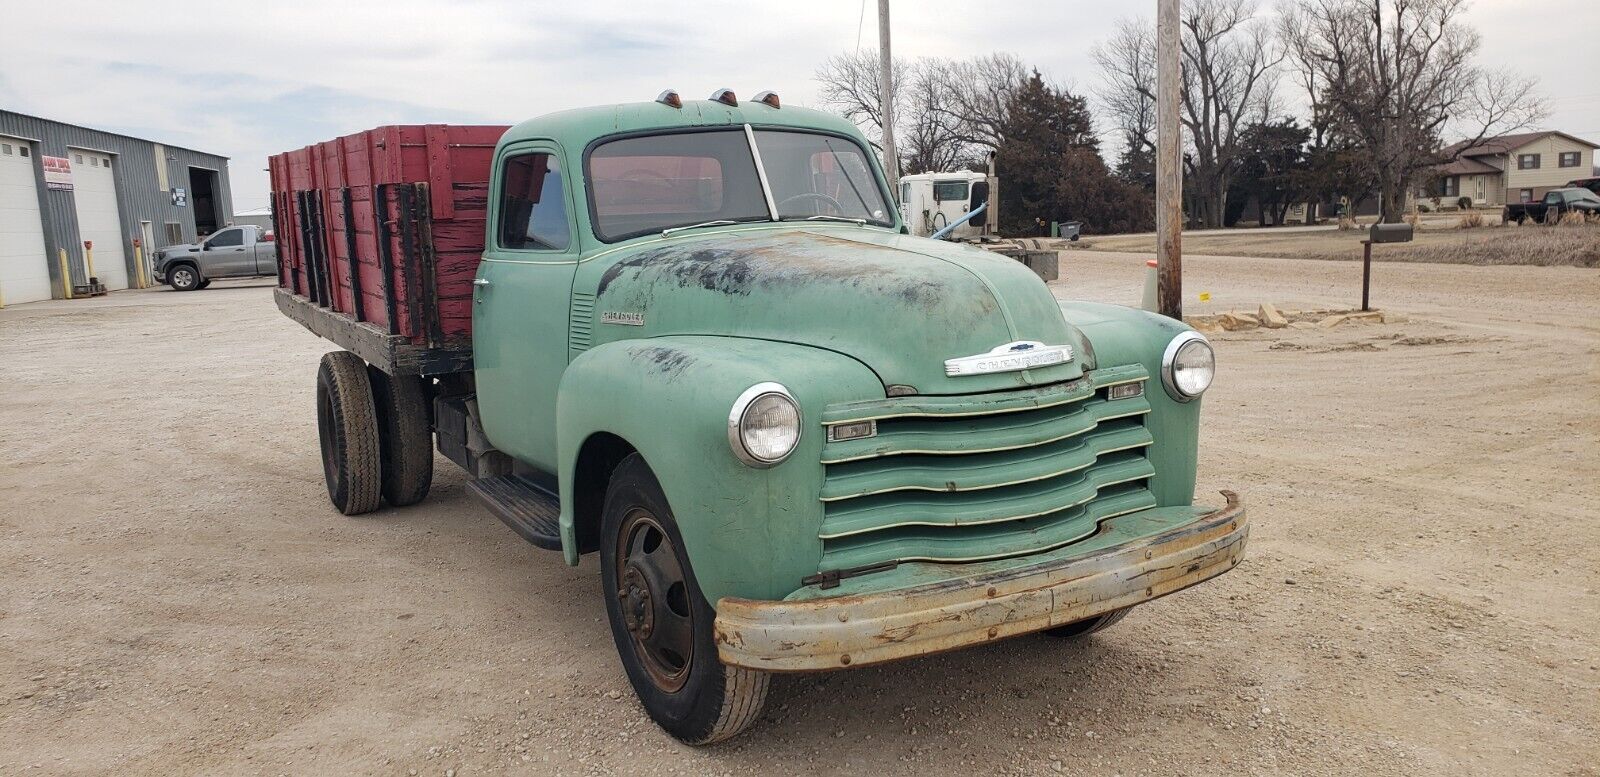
<point>1169,164</point>
<point>891,162</point>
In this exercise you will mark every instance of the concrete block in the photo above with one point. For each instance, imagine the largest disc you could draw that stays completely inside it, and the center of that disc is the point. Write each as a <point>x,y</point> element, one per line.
<point>1271,318</point>
<point>1234,322</point>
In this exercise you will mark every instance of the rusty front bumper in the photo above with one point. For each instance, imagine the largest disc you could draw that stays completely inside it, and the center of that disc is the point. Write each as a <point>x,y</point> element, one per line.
<point>856,630</point>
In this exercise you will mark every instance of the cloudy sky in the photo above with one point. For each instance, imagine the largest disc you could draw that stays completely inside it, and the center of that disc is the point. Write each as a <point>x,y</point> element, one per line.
<point>250,79</point>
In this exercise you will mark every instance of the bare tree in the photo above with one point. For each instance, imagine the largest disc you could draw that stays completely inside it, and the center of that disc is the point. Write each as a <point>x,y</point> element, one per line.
<point>1397,75</point>
<point>850,86</point>
<point>931,138</point>
<point>1128,62</point>
<point>980,91</point>
<point>944,111</point>
<point>1228,59</point>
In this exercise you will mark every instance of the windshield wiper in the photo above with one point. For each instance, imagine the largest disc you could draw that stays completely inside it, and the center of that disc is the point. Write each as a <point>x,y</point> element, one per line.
<point>716,223</point>
<point>824,217</point>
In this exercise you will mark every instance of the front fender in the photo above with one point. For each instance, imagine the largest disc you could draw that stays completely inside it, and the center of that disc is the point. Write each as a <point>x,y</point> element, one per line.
<point>749,532</point>
<point>1123,335</point>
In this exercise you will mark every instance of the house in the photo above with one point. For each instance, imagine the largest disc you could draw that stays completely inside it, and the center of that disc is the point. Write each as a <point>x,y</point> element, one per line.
<point>1512,168</point>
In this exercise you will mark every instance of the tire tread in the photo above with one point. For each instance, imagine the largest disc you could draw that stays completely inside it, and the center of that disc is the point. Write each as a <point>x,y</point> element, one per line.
<point>356,432</point>
<point>404,436</point>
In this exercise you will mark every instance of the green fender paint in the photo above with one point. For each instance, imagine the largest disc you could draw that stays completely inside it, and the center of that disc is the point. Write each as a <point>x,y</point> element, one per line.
<point>749,532</point>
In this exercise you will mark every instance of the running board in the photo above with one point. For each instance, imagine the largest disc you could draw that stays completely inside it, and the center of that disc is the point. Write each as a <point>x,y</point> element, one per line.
<point>528,509</point>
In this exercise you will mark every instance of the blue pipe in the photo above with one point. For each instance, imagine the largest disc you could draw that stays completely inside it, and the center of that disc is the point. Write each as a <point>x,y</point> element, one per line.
<point>958,222</point>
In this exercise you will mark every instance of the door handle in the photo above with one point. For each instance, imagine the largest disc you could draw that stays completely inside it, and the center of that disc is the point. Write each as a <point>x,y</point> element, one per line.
<point>480,282</point>
<point>477,285</point>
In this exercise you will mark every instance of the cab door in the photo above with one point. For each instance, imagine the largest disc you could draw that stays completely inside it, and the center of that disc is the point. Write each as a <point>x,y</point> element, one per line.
<point>225,254</point>
<point>521,300</point>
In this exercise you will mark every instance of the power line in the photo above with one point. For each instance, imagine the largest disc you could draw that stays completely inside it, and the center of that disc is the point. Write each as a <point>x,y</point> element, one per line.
<point>861,19</point>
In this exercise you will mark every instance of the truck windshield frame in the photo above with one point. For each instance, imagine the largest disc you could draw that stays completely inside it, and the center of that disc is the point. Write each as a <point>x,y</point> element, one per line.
<point>659,181</point>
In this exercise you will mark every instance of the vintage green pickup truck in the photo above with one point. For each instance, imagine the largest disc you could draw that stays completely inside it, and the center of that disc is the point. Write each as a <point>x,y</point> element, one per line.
<point>703,346</point>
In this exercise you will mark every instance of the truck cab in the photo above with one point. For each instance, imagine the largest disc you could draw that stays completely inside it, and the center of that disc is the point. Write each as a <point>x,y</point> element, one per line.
<point>930,202</point>
<point>705,348</point>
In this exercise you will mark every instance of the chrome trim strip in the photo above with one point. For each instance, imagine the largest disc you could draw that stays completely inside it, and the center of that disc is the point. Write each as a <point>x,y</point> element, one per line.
<point>1011,357</point>
<point>761,172</point>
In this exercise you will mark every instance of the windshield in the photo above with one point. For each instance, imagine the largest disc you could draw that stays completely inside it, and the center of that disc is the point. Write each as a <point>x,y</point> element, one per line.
<point>820,175</point>
<point>643,185</point>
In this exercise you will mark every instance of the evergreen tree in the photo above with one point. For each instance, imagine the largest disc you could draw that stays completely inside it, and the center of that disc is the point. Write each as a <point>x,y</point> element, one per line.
<point>1050,168</point>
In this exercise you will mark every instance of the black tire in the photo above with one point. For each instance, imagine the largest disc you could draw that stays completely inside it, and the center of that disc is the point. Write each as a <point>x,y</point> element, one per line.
<point>1083,628</point>
<point>183,277</point>
<point>347,426</point>
<point>405,436</point>
<point>204,283</point>
<point>694,697</point>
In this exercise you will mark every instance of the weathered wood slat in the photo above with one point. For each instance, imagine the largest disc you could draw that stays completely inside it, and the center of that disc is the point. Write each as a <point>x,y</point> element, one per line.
<point>393,354</point>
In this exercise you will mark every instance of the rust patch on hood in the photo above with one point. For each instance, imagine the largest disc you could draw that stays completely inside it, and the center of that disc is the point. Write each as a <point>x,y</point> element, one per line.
<point>738,266</point>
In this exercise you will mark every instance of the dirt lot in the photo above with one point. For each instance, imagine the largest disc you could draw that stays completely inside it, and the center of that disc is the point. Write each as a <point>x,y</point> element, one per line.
<point>1421,594</point>
<point>1437,241</point>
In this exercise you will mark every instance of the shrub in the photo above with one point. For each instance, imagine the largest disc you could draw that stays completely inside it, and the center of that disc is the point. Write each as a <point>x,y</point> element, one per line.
<point>1464,203</point>
<point>1573,218</point>
<point>1471,220</point>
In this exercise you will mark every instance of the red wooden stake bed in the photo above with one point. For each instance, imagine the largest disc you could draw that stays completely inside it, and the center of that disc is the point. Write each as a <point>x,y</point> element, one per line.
<point>379,236</point>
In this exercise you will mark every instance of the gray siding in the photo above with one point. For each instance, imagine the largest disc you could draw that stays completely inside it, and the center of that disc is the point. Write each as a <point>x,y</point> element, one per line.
<point>139,196</point>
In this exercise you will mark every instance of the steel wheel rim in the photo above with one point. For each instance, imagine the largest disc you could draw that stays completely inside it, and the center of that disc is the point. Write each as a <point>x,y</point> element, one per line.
<point>182,276</point>
<point>653,597</point>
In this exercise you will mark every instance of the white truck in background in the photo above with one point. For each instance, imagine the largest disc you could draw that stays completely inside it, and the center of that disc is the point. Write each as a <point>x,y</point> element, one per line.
<point>930,202</point>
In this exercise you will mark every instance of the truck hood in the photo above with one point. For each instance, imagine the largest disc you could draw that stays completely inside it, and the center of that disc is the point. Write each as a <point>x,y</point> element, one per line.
<point>173,251</point>
<point>901,305</point>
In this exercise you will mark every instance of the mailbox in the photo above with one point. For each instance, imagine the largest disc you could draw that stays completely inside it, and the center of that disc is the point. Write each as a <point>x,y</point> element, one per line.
<point>1390,233</point>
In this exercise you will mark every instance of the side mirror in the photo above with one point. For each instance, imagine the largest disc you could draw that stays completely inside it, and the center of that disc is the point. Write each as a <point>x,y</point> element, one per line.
<point>980,195</point>
<point>206,246</point>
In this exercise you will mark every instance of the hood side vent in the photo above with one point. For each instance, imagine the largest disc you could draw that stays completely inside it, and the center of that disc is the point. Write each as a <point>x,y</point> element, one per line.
<point>580,327</point>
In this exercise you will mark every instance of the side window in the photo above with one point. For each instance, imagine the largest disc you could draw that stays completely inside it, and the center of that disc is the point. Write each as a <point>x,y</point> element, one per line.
<point>227,238</point>
<point>533,204</point>
<point>949,191</point>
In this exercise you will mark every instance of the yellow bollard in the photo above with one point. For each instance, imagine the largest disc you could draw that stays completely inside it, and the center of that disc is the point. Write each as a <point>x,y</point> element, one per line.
<point>66,277</point>
<point>88,258</point>
<point>138,265</point>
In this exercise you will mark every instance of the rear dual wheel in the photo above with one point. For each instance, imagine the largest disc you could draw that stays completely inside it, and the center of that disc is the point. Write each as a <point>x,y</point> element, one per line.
<point>374,433</point>
<point>661,622</point>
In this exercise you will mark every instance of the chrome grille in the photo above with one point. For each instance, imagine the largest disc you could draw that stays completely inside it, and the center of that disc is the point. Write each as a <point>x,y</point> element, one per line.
<point>965,478</point>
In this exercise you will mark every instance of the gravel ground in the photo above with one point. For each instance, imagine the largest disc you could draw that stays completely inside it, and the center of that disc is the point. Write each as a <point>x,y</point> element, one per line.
<point>1420,595</point>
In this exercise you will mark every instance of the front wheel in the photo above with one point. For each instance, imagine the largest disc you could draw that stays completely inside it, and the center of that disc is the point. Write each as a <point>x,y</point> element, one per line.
<point>660,621</point>
<point>1087,626</point>
<point>184,277</point>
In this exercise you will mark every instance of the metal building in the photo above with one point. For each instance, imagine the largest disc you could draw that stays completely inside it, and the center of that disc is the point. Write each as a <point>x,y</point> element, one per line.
<point>63,186</point>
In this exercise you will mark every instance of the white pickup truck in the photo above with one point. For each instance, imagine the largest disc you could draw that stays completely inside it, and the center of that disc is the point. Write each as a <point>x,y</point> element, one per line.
<point>235,252</point>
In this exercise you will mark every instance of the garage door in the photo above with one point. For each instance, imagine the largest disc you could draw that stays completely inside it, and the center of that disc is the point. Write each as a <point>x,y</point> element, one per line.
<point>94,193</point>
<point>24,275</point>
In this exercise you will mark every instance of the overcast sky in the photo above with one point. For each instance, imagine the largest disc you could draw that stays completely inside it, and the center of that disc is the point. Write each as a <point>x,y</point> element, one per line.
<point>249,79</point>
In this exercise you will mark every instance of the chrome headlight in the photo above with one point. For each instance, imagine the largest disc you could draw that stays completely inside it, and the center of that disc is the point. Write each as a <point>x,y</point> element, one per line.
<point>1188,366</point>
<point>764,425</point>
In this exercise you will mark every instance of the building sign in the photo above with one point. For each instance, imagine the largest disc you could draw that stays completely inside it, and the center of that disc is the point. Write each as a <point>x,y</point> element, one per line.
<point>57,173</point>
<point>180,197</point>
